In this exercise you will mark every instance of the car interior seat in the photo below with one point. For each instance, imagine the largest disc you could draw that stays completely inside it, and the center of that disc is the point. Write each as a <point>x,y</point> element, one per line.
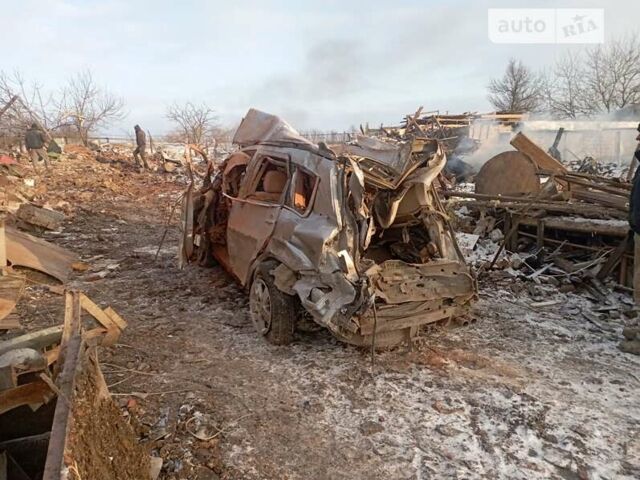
<point>273,184</point>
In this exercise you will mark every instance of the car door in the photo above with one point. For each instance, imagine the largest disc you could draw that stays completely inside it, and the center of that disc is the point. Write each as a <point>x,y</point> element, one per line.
<point>254,212</point>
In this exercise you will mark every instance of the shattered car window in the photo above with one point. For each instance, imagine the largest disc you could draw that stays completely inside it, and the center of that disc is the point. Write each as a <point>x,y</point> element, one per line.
<point>303,186</point>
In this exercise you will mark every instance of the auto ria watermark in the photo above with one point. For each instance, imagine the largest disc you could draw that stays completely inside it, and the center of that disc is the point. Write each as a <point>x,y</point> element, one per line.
<point>546,25</point>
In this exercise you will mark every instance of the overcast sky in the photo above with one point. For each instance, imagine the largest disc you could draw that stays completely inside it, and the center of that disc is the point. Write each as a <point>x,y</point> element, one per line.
<point>319,64</point>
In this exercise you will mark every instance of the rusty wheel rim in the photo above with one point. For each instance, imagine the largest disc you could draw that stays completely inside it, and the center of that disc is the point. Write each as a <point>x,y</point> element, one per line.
<point>260,306</point>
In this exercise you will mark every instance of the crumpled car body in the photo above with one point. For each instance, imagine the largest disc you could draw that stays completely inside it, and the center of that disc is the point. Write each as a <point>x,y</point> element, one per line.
<point>355,233</point>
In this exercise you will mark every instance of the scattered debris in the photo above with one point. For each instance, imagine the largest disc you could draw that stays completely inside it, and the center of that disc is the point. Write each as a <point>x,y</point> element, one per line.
<point>52,388</point>
<point>40,217</point>
<point>572,224</point>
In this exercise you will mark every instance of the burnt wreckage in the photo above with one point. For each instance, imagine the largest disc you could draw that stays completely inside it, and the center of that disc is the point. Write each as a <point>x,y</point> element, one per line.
<point>354,236</point>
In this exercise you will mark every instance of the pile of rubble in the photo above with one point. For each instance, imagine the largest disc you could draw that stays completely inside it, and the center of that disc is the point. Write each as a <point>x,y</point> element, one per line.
<point>534,219</point>
<point>40,436</point>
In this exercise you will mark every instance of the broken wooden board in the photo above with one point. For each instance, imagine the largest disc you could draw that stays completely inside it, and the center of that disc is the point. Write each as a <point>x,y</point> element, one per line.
<point>25,250</point>
<point>614,228</point>
<point>508,173</point>
<point>108,318</point>
<point>36,340</point>
<point>30,393</point>
<point>542,159</point>
<point>91,422</point>
<point>40,217</point>
<point>615,257</point>
<point>11,288</point>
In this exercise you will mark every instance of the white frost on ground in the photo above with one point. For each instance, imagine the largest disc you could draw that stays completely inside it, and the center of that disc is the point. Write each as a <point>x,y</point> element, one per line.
<point>523,393</point>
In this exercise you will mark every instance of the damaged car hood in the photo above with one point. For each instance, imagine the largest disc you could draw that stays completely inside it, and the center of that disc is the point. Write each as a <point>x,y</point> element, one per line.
<point>259,127</point>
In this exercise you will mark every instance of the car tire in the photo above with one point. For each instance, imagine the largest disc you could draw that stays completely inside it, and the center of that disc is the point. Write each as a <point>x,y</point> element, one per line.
<point>273,313</point>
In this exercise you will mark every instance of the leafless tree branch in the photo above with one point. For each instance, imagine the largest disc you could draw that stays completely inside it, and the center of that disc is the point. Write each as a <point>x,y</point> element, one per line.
<point>519,90</point>
<point>86,107</point>
<point>195,122</point>
<point>613,73</point>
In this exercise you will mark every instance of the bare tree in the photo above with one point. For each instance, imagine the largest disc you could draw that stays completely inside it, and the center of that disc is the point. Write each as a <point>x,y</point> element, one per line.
<point>567,92</point>
<point>613,73</point>
<point>86,107</point>
<point>519,90</point>
<point>195,122</point>
<point>29,103</point>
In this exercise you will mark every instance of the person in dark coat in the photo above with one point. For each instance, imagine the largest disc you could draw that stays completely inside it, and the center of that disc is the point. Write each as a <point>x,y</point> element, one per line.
<point>141,149</point>
<point>35,140</point>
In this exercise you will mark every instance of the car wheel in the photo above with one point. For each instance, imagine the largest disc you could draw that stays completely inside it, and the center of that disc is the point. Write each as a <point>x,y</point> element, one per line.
<point>273,312</point>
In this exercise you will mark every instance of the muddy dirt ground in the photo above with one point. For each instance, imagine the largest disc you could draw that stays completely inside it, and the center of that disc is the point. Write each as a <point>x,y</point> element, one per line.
<point>522,393</point>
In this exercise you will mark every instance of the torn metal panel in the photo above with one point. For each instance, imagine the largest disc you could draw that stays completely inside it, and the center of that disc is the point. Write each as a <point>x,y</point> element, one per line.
<point>397,282</point>
<point>257,127</point>
<point>24,250</point>
<point>394,157</point>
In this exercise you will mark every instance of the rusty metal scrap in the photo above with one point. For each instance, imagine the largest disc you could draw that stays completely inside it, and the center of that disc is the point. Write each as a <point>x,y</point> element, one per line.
<point>25,250</point>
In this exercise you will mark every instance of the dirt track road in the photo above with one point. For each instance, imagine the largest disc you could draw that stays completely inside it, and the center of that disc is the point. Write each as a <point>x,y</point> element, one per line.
<point>520,394</point>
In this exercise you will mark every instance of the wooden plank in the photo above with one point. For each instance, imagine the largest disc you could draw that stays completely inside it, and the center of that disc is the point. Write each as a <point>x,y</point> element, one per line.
<point>96,312</point>
<point>525,145</point>
<point>110,322</point>
<point>36,340</point>
<point>616,228</point>
<point>32,392</point>
<point>111,337</point>
<point>117,319</point>
<point>584,209</point>
<point>594,180</point>
<point>93,333</point>
<point>72,325</point>
<point>68,316</point>
<point>614,258</point>
<point>41,217</point>
<point>605,199</point>
<point>59,428</point>
<point>52,355</point>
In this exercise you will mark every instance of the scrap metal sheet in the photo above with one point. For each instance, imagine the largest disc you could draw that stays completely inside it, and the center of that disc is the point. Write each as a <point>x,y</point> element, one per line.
<point>25,250</point>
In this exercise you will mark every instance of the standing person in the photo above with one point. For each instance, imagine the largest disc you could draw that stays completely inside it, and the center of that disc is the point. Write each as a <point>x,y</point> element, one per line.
<point>141,149</point>
<point>35,141</point>
<point>634,223</point>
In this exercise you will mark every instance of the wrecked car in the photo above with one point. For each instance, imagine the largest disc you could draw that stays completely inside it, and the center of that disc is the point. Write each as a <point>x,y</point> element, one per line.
<point>353,237</point>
